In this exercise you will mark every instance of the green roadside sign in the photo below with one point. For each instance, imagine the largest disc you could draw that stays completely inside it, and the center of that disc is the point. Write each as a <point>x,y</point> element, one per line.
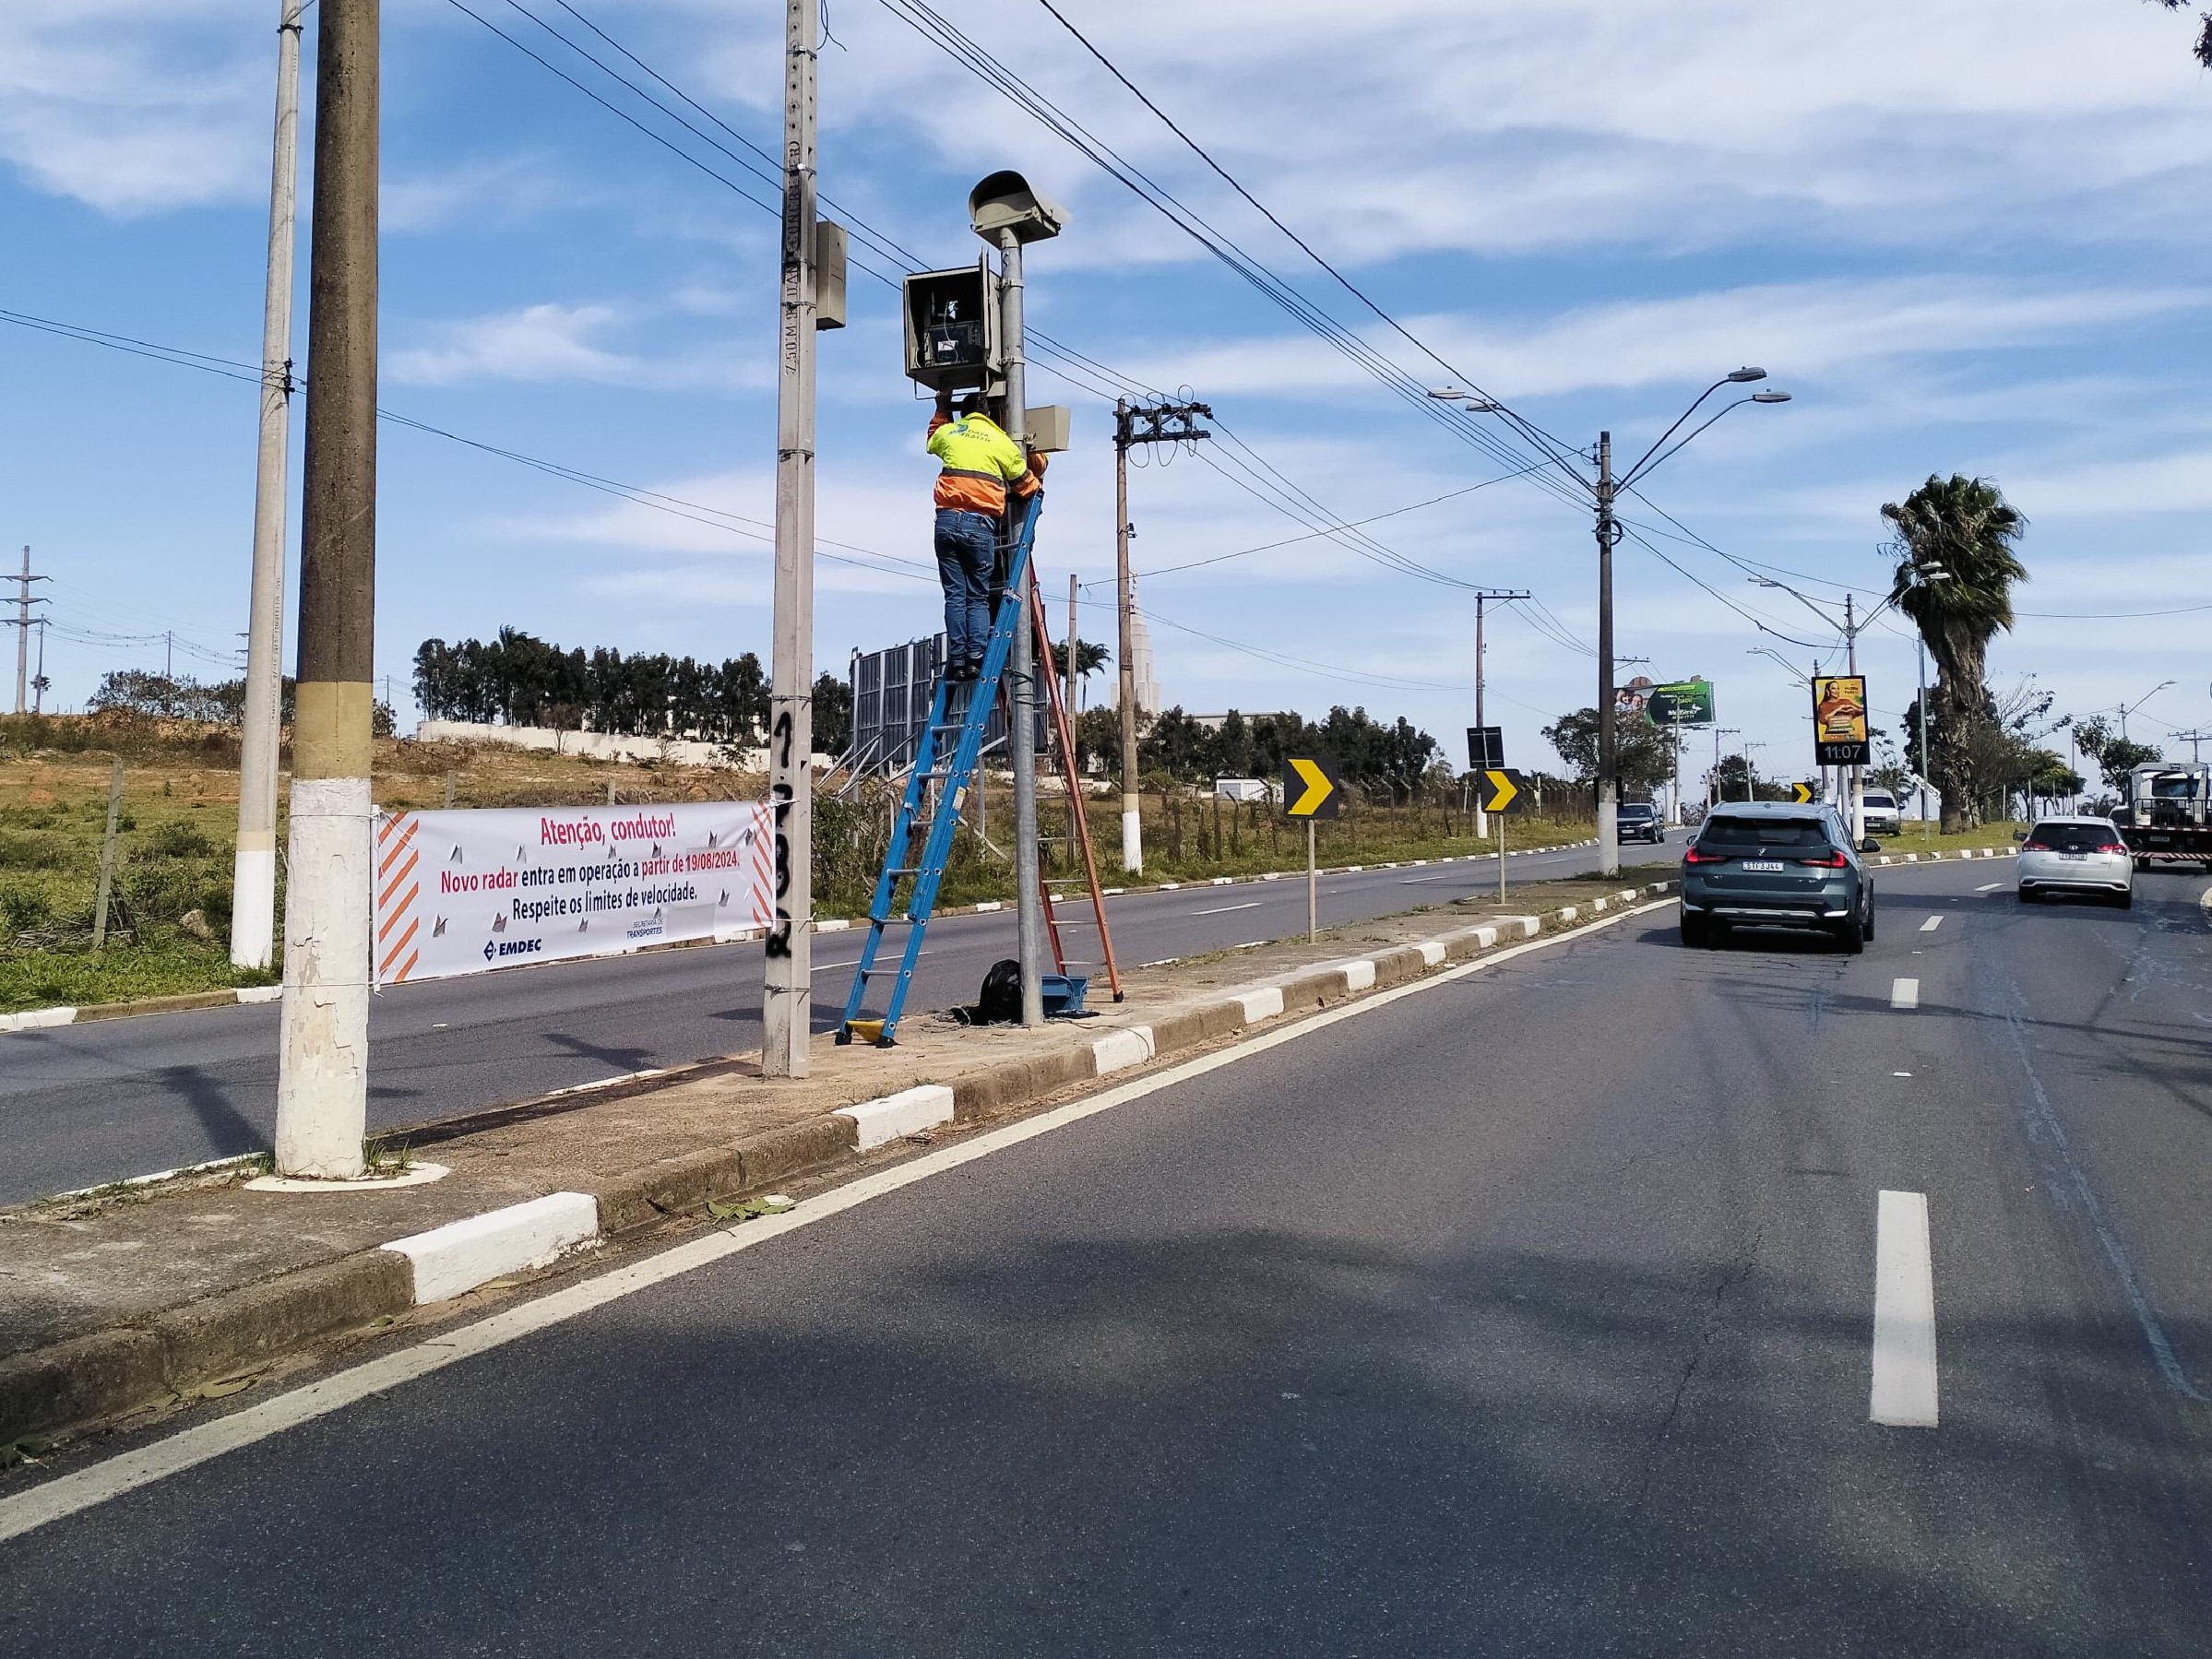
<point>1683,703</point>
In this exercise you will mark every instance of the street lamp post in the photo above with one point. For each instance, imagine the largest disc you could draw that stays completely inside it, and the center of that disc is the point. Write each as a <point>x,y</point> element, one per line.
<point>1603,493</point>
<point>2128,708</point>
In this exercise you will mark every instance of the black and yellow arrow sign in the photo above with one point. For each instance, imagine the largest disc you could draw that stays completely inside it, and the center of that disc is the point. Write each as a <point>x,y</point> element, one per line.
<point>1505,787</point>
<point>1802,794</point>
<point>1311,786</point>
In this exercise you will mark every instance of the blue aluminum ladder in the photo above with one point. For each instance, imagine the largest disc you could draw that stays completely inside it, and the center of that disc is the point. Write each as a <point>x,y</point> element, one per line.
<point>952,779</point>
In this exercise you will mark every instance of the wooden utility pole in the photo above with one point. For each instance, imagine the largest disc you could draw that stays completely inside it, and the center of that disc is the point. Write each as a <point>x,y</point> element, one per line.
<point>323,1077</point>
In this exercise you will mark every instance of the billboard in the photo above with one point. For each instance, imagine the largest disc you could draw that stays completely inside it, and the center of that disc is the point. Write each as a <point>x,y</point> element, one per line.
<point>462,892</point>
<point>1839,734</point>
<point>1682,703</point>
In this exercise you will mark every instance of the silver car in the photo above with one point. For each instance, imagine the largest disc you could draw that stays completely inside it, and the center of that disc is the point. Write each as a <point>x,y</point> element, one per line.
<point>2077,855</point>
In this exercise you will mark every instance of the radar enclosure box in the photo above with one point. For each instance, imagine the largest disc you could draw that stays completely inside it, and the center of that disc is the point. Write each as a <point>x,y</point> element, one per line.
<point>952,328</point>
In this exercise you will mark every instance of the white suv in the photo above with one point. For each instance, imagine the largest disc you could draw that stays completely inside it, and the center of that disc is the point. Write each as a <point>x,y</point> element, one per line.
<point>1878,811</point>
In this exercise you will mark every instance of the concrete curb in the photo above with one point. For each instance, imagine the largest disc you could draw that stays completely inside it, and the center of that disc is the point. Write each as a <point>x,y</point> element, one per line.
<point>164,1358</point>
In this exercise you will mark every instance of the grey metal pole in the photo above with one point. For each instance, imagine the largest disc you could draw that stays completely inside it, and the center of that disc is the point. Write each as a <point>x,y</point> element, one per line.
<point>1609,781</point>
<point>322,1070</point>
<point>1133,831</point>
<point>1068,646</point>
<point>1313,894</point>
<point>1481,816</point>
<point>254,865</point>
<point>787,1012</point>
<point>1857,784</point>
<point>1022,738</point>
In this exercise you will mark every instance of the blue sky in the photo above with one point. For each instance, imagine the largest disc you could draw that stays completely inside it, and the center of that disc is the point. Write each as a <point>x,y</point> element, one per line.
<point>1967,237</point>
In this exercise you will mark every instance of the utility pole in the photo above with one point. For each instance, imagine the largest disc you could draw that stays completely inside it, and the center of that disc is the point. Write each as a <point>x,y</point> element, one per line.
<point>1069,700</point>
<point>1609,782</point>
<point>322,1076</point>
<point>1482,814</point>
<point>253,865</point>
<point>38,681</point>
<point>787,1007</point>
<point>1719,731</point>
<point>1921,649</point>
<point>2192,739</point>
<point>23,604</point>
<point>1021,735</point>
<point>1133,424</point>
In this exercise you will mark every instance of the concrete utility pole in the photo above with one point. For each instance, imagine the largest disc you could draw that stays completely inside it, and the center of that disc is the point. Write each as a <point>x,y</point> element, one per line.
<point>323,1075</point>
<point>1609,759</point>
<point>23,604</point>
<point>786,1013</point>
<point>1133,424</point>
<point>254,867</point>
<point>1068,701</point>
<point>1021,737</point>
<point>38,680</point>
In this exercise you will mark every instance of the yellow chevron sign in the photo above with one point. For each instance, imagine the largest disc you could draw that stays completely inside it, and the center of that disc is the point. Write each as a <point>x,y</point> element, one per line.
<point>1802,794</point>
<point>1506,786</point>
<point>1311,788</point>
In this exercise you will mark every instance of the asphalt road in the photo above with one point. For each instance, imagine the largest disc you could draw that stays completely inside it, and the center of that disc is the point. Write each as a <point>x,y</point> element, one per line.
<point>80,1105</point>
<point>1532,1313</point>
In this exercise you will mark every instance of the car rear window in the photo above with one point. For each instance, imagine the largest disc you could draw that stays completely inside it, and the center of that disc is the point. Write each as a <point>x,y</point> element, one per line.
<point>2069,837</point>
<point>1872,799</point>
<point>1764,832</point>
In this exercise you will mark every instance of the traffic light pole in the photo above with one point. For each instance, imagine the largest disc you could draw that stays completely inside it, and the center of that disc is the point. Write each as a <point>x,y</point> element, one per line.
<point>1021,672</point>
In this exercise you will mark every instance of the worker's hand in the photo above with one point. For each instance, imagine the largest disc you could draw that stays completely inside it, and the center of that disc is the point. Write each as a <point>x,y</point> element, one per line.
<point>944,401</point>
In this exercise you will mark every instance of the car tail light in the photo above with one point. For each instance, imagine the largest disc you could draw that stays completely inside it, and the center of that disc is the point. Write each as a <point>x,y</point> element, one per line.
<point>1692,854</point>
<point>1835,860</point>
<point>2119,847</point>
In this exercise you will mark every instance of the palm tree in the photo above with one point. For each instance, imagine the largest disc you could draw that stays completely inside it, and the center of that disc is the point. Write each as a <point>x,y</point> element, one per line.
<point>1955,577</point>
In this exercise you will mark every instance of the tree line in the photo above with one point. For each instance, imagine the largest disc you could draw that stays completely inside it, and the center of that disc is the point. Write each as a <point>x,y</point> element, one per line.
<point>516,678</point>
<point>1397,758</point>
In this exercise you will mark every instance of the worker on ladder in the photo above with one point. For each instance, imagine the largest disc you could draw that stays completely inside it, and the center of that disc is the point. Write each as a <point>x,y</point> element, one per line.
<point>980,462</point>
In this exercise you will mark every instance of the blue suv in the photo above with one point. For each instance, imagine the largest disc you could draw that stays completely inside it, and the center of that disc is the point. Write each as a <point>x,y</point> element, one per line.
<point>1770,864</point>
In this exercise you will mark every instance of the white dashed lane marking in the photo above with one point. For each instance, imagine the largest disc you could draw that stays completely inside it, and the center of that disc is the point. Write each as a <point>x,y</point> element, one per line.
<point>1903,1395</point>
<point>1932,923</point>
<point>1225,909</point>
<point>1905,993</point>
<point>1989,887</point>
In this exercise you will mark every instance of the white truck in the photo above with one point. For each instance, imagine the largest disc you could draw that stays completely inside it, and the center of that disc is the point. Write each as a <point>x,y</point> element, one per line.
<point>2167,817</point>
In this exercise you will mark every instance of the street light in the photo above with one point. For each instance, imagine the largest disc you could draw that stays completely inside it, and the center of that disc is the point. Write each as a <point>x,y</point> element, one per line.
<point>2128,708</point>
<point>1603,494</point>
<point>1919,574</point>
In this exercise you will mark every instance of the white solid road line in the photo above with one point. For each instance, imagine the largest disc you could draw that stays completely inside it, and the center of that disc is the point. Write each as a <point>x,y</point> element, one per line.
<point>1932,923</point>
<point>1905,993</point>
<point>1225,909</point>
<point>173,1455</point>
<point>1903,1395</point>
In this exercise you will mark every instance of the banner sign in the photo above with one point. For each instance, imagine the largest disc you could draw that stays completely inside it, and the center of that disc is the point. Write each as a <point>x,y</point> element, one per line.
<point>1683,703</point>
<point>1840,735</point>
<point>461,892</point>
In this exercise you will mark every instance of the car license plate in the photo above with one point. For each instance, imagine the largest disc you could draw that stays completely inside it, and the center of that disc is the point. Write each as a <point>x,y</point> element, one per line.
<point>1764,866</point>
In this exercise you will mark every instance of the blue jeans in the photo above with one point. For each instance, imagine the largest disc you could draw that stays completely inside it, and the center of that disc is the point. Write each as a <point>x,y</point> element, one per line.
<point>967,543</point>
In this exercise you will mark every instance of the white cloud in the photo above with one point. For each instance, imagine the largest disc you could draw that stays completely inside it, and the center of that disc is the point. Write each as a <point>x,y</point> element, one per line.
<point>550,342</point>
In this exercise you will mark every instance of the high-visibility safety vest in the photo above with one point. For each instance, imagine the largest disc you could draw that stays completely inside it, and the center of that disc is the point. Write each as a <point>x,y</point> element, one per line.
<point>980,462</point>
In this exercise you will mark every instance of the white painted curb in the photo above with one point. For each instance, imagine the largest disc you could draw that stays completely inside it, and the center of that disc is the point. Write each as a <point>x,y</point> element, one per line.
<point>38,1019</point>
<point>1266,1001</point>
<point>1358,975</point>
<point>909,1112</point>
<point>1118,1050</point>
<point>463,1254</point>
